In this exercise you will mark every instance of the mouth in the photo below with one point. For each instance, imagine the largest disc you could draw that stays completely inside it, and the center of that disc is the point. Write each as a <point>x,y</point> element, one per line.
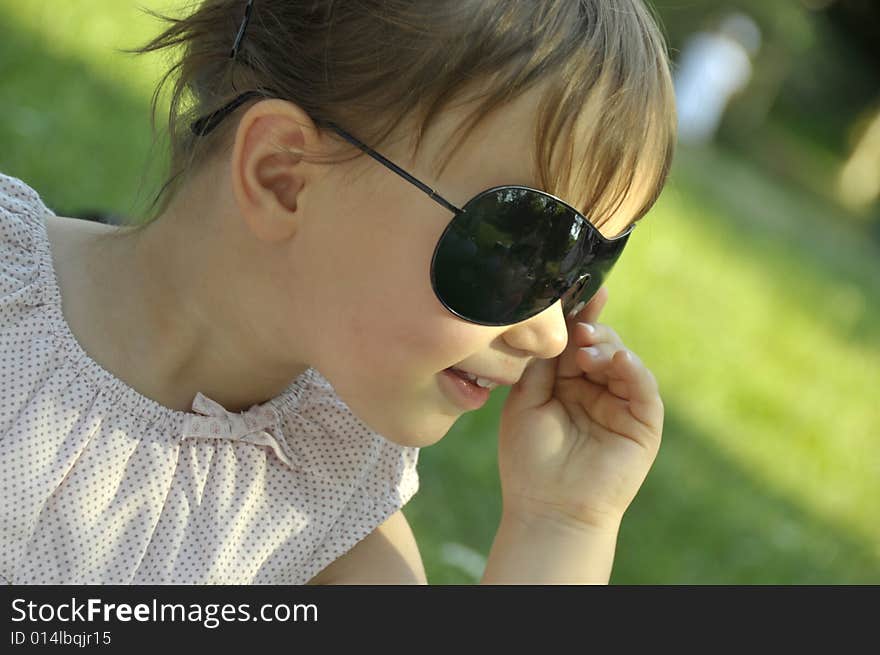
<point>485,383</point>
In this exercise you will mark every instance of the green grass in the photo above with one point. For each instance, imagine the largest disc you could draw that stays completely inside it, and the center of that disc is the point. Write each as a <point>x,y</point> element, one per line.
<point>756,305</point>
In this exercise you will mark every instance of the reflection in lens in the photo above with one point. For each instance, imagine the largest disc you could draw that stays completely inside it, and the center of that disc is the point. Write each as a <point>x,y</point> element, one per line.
<point>513,252</point>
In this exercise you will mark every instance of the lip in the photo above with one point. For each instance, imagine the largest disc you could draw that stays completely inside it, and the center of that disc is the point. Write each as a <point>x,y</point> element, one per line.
<point>465,394</point>
<point>499,381</point>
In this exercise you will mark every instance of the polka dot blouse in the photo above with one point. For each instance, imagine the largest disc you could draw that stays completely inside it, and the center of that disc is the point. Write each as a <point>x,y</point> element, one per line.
<point>101,485</point>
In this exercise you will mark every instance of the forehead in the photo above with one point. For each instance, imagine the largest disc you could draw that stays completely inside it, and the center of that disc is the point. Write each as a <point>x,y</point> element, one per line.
<point>499,150</point>
<point>503,149</point>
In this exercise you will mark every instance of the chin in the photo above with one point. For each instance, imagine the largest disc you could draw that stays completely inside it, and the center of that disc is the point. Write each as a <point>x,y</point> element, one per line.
<point>416,426</point>
<point>418,433</point>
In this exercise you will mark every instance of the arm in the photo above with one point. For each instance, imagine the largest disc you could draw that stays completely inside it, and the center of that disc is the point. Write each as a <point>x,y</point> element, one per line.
<point>578,434</point>
<point>388,555</point>
<point>549,552</point>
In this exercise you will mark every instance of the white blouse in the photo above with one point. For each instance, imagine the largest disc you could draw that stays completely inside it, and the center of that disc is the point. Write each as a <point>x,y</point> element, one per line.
<point>102,485</point>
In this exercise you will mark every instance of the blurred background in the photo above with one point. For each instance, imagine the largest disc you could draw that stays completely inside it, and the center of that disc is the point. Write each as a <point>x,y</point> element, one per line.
<point>751,290</point>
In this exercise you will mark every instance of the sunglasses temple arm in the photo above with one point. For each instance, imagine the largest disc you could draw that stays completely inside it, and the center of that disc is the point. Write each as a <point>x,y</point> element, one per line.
<point>207,123</point>
<point>394,167</point>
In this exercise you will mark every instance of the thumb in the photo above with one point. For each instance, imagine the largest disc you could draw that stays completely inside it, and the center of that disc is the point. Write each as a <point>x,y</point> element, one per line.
<point>535,387</point>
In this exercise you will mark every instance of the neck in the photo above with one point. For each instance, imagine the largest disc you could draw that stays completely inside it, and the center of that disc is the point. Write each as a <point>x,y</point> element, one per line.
<point>185,318</point>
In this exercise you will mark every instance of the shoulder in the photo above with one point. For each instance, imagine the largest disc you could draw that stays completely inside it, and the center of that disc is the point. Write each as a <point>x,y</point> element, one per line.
<point>388,555</point>
<point>372,477</point>
<point>17,197</point>
<point>340,444</point>
<point>20,210</point>
<point>21,252</point>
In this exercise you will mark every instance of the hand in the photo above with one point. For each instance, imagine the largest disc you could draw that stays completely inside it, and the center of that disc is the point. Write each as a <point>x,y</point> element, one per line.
<point>579,432</point>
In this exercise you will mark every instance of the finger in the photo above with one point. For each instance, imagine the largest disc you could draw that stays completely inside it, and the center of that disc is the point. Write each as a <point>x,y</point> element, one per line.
<point>597,357</point>
<point>615,415</point>
<point>638,420</point>
<point>568,364</point>
<point>626,377</point>
<point>589,334</point>
<point>535,386</point>
<point>590,312</point>
<point>629,380</point>
<point>633,381</point>
<point>595,361</point>
<point>606,409</point>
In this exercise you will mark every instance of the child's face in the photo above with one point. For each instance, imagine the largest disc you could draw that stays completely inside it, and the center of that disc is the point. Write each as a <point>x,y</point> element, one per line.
<point>362,277</point>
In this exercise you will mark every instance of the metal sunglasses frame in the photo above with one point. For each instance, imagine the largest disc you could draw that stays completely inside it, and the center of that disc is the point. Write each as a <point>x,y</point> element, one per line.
<point>206,124</point>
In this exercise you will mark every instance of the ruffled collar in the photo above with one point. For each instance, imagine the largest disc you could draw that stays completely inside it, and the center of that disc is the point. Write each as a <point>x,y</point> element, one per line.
<point>181,423</point>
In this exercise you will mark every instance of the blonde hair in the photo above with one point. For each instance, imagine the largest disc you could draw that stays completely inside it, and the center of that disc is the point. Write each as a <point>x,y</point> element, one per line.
<point>374,65</point>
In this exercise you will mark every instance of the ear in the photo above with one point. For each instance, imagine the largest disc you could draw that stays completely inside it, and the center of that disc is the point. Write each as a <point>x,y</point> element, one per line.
<point>268,175</point>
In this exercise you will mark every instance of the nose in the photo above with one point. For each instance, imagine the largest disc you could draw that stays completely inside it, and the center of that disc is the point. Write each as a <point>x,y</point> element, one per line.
<point>545,335</point>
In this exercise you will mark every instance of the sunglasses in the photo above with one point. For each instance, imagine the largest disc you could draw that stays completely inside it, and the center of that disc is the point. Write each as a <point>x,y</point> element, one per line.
<point>508,254</point>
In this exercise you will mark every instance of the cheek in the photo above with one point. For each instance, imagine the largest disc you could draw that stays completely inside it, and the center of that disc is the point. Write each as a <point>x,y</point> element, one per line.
<point>403,335</point>
<point>373,301</point>
<point>397,331</point>
<point>389,304</point>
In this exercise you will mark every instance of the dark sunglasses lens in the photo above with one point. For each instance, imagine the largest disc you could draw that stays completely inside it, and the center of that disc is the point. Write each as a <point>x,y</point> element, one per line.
<point>512,254</point>
<point>598,264</point>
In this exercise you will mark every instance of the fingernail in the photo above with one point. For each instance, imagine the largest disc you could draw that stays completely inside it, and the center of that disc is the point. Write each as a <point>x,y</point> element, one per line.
<point>589,328</point>
<point>592,352</point>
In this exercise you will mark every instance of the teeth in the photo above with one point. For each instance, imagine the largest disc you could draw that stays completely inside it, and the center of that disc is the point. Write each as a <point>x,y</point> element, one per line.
<point>481,382</point>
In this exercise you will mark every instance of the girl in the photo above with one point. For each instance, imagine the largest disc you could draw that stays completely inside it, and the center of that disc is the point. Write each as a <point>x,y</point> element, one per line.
<point>376,212</point>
